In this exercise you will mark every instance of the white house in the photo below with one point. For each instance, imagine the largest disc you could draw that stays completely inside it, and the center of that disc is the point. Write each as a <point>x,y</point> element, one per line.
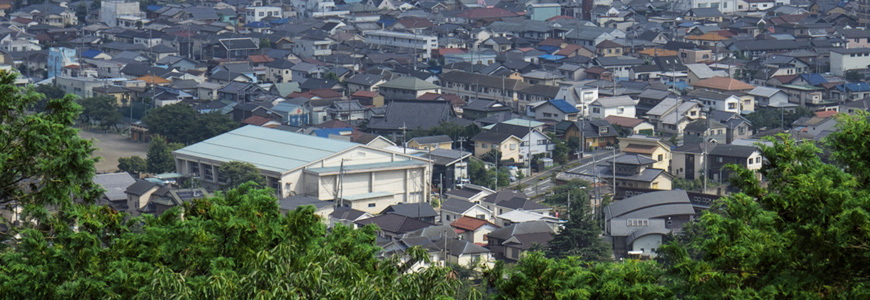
<point>718,101</point>
<point>258,13</point>
<point>350,174</point>
<point>843,60</point>
<point>768,96</point>
<point>622,106</point>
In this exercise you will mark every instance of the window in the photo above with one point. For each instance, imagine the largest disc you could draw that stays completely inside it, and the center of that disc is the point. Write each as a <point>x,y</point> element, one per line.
<point>596,110</point>
<point>371,204</point>
<point>482,217</point>
<point>194,168</point>
<point>718,159</point>
<point>661,157</point>
<point>620,110</point>
<point>209,174</point>
<point>447,217</point>
<point>602,129</point>
<point>513,146</point>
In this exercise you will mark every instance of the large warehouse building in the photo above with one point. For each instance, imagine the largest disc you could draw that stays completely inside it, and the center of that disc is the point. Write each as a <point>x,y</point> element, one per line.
<point>354,175</point>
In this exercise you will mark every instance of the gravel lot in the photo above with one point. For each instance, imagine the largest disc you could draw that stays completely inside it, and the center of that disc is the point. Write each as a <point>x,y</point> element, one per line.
<point>110,147</point>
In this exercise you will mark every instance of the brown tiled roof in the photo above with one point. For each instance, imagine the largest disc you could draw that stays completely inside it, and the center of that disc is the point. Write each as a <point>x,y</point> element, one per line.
<point>469,223</point>
<point>723,83</point>
<point>639,149</point>
<point>256,120</point>
<point>623,121</point>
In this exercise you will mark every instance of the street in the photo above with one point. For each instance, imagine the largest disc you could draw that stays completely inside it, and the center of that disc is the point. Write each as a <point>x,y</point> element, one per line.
<point>541,183</point>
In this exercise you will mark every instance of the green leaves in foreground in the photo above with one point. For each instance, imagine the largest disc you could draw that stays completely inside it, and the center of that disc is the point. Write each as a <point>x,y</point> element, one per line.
<point>236,246</point>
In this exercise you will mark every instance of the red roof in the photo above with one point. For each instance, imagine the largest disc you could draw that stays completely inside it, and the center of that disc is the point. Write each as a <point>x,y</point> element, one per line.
<point>569,49</point>
<point>485,13</point>
<point>559,18</point>
<point>552,42</point>
<point>444,51</point>
<point>623,121</point>
<point>364,94</point>
<point>22,20</point>
<point>469,223</point>
<point>825,114</point>
<point>414,22</point>
<point>258,59</point>
<point>325,93</point>
<point>256,120</point>
<point>334,124</point>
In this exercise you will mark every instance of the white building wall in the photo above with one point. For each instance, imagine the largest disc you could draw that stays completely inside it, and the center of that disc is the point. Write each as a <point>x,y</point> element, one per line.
<point>842,62</point>
<point>648,244</point>
<point>425,43</point>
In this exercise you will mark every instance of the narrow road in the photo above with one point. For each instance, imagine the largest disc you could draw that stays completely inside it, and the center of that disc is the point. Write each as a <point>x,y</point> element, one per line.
<point>541,183</point>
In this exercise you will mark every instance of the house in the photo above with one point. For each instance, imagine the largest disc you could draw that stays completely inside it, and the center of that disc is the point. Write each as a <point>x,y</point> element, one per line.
<point>737,127</point>
<point>556,110</point>
<point>815,125</point>
<point>638,225</point>
<point>712,15</point>
<point>844,60</point>
<point>700,131</point>
<point>622,106</point>
<point>473,229</point>
<point>672,115</point>
<point>364,82</point>
<point>449,166</point>
<point>421,211</point>
<point>768,96</point>
<point>299,164</point>
<point>302,71</point>
<point>350,111</point>
<point>508,200</point>
<point>652,147</point>
<point>634,171</point>
<point>403,115</point>
<point>392,226</point>
<point>688,160</point>
<point>407,88</point>
<point>453,209</point>
<point>533,140</point>
<point>505,143</point>
<point>115,185</point>
<point>347,217</point>
<point>431,142</point>
<point>470,193</point>
<point>698,72</point>
<point>510,242</point>
<point>521,216</point>
<point>748,157</point>
<point>597,134</point>
<point>279,71</point>
<point>722,84</point>
<point>633,125</point>
<point>480,108</point>
<point>609,48</point>
<point>618,66</point>
<point>718,101</point>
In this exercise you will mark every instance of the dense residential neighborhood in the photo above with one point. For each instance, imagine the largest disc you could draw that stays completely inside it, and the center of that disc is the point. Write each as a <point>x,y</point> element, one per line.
<point>462,127</point>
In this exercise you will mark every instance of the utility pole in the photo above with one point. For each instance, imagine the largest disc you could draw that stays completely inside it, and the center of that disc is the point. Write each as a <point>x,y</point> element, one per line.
<point>404,143</point>
<point>529,156</point>
<point>614,172</point>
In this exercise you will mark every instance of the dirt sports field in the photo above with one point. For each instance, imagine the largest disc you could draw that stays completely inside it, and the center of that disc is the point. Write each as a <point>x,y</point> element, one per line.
<point>110,147</point>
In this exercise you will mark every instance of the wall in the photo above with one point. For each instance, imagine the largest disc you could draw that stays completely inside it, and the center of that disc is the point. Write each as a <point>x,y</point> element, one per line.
<point>842,62</point>
<point>648,244</point>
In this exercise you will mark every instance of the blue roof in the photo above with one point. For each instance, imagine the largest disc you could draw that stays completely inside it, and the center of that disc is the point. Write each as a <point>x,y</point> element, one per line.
<point>855,87</point>
<point>91,53</point>
<point>548,48</point>
<point>551,57</point>
<point>814,78</point>
<point>257,25</point>
<point>153,7</point>
<point>326,132</point>
<point>564,106</point>
<point>279,21</point>
<point>387,22</point>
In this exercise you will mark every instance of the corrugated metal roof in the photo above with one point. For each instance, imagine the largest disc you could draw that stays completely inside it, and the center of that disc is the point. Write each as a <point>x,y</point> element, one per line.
<point>268,149</point>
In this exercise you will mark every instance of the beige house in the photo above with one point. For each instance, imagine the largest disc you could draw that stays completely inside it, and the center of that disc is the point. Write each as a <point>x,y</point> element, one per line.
<point>507,144</point>
<point>431,142</point>
<point>654,148</point>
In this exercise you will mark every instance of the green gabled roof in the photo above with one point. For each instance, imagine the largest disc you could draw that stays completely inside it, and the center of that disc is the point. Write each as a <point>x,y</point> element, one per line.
<point>410,83</point>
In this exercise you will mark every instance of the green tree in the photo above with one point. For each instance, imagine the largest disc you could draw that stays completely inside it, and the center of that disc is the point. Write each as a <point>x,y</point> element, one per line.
<point>181,124</point>
<point>50,92</point>
<point>265,43</point>
<point>580,236</point>
<point>42,158</point>
<point>206,126</point>
<point>236,173</point>
<point>160,159</point>
<point>102,109</point>
<point>854,75</point>
<point>493,156</point>
<point>170,121</point>
<point>538,277</point>
<point>81,12</point>
<point>330,76</point>
<point>773,117</point>
<point>132,164</point>
<point>233,246</point>
<point>802,236</point>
